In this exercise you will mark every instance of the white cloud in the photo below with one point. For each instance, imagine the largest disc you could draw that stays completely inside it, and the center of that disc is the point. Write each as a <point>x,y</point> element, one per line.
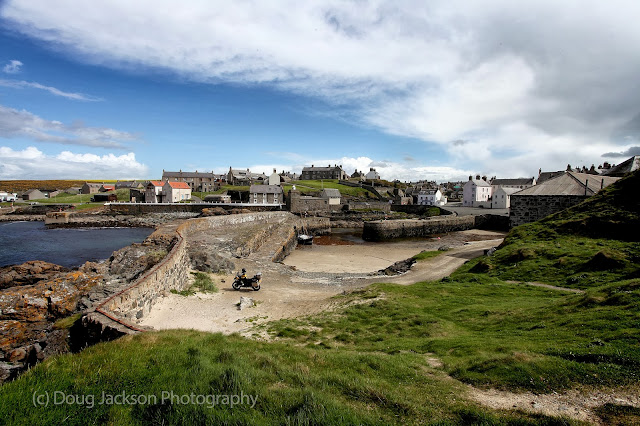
<point>528,84</point>
<point>31,163</point>
<point>23,124</point>
<point>17,84</point>
<point>13,67</point>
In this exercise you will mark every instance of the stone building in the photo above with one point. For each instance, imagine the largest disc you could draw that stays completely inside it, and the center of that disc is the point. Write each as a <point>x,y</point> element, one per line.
<point>332,195</point>
<point>239,177</point>
<point>32,194</point>
<point>91,188</point>
<point>265,194</point>
<point>554,195</point>
<point>318,173</point>
<point>519,183</point>
<point>197,181</point>
<point>153,192</point>
<point>501,197</point>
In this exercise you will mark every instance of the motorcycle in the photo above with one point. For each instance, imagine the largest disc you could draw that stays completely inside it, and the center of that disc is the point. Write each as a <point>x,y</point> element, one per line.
<point>241,280</point>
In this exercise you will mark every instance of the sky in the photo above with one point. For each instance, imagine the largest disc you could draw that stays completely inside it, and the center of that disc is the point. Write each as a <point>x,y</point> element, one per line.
<point>435,90</point>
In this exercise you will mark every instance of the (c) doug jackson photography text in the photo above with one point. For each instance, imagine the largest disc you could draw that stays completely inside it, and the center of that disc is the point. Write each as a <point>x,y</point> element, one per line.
<point>46,398</point>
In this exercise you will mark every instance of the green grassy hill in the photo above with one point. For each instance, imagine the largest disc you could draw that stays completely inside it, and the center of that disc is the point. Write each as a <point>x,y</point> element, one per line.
<point>393,354</point>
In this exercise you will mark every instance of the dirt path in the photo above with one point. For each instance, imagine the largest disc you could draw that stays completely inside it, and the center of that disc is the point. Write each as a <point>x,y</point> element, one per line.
<point>443,265</point>
<point>549,286</point>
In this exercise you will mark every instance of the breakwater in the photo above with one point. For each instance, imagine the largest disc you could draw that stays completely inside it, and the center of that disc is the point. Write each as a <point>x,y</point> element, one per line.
<point>381,230</point>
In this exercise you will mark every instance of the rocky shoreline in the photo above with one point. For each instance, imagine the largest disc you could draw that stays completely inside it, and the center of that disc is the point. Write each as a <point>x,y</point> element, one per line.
<point>41,303</point>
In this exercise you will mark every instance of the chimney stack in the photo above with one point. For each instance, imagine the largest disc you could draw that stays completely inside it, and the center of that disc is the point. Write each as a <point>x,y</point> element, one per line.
<point>470,177</point>
<point>477,177</point>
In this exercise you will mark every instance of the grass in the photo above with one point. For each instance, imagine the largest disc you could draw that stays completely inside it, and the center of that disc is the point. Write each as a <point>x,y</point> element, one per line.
<point>424,255</point>
<point>290,384</point>
<point>309,187</point>
<point>65,198</point>
<point>202,283</point>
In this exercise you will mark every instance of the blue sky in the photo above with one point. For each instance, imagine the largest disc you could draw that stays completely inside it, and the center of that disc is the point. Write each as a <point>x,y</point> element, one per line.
<point>418,90</point>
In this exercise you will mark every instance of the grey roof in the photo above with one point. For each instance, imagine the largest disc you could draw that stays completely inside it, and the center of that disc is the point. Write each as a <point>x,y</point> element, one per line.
<point>544,176</point>
<point>480,182</point>
<point>93,184</point>
<point>189,174</point>
<point>320,169</point>
<point>265,189</point>
<point>507,190</point>
<point>625,167</point>
<point>330,193</point>
<point>570,183</point>
<point>518,181</point>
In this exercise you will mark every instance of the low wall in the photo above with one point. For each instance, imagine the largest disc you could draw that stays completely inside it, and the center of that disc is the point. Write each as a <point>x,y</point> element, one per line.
<point>389,229</point>
<point>419,209</point>
<point>140,208</point>
<point>369,206</point>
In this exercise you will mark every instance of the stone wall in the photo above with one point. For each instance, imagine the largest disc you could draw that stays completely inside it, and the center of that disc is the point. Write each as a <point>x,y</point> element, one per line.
<point>127,307</point>
<point>529,208</point>
<point>369,206</point>
<point>388,229</point>
<point>140,208</point>
<point>418,209</point>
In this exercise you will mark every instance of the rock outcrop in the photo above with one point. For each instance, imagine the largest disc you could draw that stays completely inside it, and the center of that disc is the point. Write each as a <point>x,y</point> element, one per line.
<point>28,273</point>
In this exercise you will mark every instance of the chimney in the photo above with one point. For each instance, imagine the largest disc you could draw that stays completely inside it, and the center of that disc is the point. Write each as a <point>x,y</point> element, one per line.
<point>484,178</point>
<point>470,177</point>
<point>312,165</point>
<point>477,177</point>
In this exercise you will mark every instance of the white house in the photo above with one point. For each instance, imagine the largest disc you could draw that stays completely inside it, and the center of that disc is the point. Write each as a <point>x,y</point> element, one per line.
<point>431,197</point>
<point>153,191</point>
<point>501,198</point>
<point>274,178</point>
<point>332,195</point>
<point>173,192</point>
<point>372,175</point>
<point>476,193</point>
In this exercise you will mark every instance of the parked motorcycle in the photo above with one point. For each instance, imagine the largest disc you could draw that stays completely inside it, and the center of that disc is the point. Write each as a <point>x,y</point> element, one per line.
<point>241,280</point>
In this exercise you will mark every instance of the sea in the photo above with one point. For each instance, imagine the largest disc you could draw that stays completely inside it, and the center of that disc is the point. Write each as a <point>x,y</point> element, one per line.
<point>69,247</point>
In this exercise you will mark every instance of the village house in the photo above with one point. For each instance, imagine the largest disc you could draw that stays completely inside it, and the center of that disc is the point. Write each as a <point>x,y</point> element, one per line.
<point>501,197</point>
<point>174,192</point>
<point>332,196</point>
<point>217,198</point>
<point>239,177</point>
<point>431,197</point>
<point>553,195</point>
<point>357,175</point>
<point>266,194</point>
<point>32,194</point>
<point>288,177</point>
<point>476,192</point>
<point>153,192</point>
<point>132,184</point>
<point>400,198</point>
<point>319,173</point>
<point>107,188</point>
<point>372,174</point>
<point>91,188</point>
<point>197,181</point>
<point>274,178</point>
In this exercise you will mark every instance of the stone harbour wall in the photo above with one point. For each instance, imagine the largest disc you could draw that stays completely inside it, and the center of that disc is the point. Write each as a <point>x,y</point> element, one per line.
<point>389,229</point>
<point>130,305</point>
<point>529,208</point>
<point>141,208</point>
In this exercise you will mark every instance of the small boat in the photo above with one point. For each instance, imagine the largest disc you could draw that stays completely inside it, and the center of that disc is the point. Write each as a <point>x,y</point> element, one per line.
<point>305,239</point>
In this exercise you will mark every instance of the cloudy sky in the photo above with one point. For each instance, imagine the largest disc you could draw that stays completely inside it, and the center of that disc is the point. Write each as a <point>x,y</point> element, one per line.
<point>416,89</point>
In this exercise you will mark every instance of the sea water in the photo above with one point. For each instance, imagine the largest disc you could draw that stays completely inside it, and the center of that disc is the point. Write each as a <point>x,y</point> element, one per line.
<point>70,247</point>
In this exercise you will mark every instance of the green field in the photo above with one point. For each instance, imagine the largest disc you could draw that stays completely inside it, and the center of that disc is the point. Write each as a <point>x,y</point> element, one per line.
<point>372,361</point>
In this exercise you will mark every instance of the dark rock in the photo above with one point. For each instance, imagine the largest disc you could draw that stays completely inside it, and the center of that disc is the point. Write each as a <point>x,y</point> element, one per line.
<point>214,211</point>
<point>397,268</point>
<point>29,273</point>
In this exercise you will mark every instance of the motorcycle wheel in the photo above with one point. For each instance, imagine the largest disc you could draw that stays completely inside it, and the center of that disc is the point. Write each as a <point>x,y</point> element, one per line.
<point>236,285</point>
<point>256,288</point>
